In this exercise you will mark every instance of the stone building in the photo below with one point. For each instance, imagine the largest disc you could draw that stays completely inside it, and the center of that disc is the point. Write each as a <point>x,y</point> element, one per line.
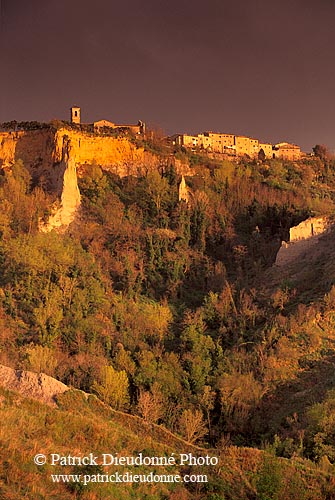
<point>286,151</point>
<point>230,144</point>
<point>139,128</point>
<point>267,148</point>
<point>75,114</point>
<point>188,141</point>
<point>219,143</point>
<point>103,123</point>
<point>246,146</point>
<point>237,145</point>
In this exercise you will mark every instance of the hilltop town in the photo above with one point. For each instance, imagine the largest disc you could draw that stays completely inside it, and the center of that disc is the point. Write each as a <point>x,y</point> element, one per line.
<point>237,145</point>
<point>17,138</point>
<point>211,142</point>
<point>56,153</point>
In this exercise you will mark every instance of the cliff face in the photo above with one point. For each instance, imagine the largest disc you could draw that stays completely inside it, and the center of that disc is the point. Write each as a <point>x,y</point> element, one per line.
<point>67,184</point>
<point>116,154</point>
<point>8,143</point>
<point>42,152</point>
<point>34,148</point>
<point>55,158</point>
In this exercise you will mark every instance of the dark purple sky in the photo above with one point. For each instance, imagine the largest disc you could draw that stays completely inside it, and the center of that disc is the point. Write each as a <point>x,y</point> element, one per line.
<point>263,68</point>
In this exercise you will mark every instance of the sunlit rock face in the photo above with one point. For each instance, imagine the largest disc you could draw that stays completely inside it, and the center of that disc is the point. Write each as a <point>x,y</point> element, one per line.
<point>68,187</point>
<point>308,228</point>
<point>33,385</point>
<point>55,158</point>
<point>302,237</point>
<point>183,194</point>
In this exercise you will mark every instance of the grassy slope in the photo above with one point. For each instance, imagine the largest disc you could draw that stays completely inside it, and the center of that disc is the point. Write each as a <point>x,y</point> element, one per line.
<point>79,426</point>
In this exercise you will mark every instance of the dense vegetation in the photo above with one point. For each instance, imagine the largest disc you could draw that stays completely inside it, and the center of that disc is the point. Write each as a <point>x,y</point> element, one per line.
<point>166,310</point>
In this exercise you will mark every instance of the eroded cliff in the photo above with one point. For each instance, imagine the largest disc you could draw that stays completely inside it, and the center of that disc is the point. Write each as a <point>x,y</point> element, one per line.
<point>42,152</point>
<point>67,184</point>
<point>54,158</point>
<point>302,238</point>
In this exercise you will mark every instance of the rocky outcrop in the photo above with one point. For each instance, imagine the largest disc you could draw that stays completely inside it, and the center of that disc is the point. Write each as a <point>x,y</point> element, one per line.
<point>308,228</point>
<point>183,191</point>
<point>32,385</point>
<point>67,187</point>
<point>302,238</point>
<point>116,154</point>
<point>54,158</point>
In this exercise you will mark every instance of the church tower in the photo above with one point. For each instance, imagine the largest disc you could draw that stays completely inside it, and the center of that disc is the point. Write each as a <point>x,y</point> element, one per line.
<point>75,114</point>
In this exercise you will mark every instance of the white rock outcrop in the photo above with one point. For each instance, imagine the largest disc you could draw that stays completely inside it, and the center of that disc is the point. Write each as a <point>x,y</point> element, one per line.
<point>183,191</point>
<point>31,385</point>
<point>309,228</point>
<point>70,195</point>
<point>302,238</point>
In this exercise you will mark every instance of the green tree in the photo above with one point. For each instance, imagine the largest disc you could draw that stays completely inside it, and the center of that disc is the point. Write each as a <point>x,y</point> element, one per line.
<point>158,188</point>
<point>269,480</point>
<point>321,151</point>
<point>198,350</point>
<point>113,387</point>
<point>261,155</point>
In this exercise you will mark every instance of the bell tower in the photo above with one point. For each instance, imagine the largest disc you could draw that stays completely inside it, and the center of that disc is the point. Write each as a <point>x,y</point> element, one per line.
<point>75,114</point>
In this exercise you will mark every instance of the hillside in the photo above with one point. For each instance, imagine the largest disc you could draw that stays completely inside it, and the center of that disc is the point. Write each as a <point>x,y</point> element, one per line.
<point>85,425</point>
<point>308,268</point>
<point>170,309</point>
